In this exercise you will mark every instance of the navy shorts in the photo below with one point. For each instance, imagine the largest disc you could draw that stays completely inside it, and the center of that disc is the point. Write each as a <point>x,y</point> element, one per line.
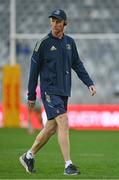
<point>54,105</point>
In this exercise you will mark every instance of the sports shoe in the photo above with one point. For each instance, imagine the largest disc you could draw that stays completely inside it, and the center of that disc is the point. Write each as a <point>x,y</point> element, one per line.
<point>28,164</point>
<point>71,170</point>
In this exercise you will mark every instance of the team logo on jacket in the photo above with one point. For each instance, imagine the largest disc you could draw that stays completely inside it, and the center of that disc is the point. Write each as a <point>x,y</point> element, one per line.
<point>53,48</point>
<point>68,46</point>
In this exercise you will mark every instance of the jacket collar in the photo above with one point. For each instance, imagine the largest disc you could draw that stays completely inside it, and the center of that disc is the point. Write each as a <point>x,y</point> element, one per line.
<point>51,35</point>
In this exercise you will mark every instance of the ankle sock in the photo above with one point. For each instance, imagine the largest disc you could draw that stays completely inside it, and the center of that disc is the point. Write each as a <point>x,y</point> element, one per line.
<point>67,163</point>
<point>29,155</point>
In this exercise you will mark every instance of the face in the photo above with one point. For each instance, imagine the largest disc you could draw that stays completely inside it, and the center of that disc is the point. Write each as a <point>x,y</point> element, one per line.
<point>57,25</point>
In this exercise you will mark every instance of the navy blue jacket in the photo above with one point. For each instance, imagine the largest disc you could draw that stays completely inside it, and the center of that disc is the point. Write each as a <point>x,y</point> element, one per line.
<point>53,59</point>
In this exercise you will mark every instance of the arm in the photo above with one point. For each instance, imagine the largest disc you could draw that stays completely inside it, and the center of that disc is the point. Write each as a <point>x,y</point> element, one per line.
<point>33,75</point>
<point>79,68</point>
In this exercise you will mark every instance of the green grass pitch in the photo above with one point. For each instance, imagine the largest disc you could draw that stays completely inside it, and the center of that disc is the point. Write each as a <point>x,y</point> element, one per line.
<point>96,153</point>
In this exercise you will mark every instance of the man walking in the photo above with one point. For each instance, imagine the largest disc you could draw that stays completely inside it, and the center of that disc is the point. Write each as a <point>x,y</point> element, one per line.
<point>53,58</point>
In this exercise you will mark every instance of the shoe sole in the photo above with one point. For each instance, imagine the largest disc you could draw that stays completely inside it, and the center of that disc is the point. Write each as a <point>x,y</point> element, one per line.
<point>74,174</point>
<point>24,164</point>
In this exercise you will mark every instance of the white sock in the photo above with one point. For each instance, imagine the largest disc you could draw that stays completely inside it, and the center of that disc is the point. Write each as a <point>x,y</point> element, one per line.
<point>67,163</point>
<point>29,155</point>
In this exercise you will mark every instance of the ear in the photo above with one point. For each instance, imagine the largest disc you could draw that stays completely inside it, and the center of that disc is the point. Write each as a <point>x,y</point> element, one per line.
<point>65,23</point>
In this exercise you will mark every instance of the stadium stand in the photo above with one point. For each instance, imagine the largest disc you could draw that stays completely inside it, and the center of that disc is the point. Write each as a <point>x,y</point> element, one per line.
<point>100,56</point>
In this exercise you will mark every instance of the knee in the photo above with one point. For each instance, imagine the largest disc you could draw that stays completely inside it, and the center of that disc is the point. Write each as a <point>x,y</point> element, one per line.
<point>62,121</point>
<point>51,130</point>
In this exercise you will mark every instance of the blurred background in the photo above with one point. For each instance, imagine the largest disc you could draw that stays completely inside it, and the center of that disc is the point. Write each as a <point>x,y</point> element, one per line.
<point>94,24</point>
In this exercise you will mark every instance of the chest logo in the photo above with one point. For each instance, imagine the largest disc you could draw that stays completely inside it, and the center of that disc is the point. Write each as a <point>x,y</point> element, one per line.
<point>68,46</point>
<point>53,48</point>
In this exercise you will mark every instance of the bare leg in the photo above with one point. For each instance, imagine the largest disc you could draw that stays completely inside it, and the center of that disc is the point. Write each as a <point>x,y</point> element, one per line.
<point>63,135</point>
<point>44,135</point>
<point>27,159</point>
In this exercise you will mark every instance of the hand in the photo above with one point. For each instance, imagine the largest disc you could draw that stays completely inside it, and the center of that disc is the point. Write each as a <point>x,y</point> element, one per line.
<point>30,104</point>
<point>92,90</point>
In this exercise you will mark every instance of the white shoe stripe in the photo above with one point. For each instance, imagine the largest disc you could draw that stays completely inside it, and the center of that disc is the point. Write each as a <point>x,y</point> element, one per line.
<point>24,164</point>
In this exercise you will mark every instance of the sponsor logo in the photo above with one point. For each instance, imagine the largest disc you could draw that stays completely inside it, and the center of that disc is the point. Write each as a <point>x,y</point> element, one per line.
<point>53,48</point>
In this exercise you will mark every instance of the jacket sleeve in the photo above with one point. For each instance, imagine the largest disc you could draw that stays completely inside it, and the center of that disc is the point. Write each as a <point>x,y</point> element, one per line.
<point>78,67</point>
<point>35,65</point>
